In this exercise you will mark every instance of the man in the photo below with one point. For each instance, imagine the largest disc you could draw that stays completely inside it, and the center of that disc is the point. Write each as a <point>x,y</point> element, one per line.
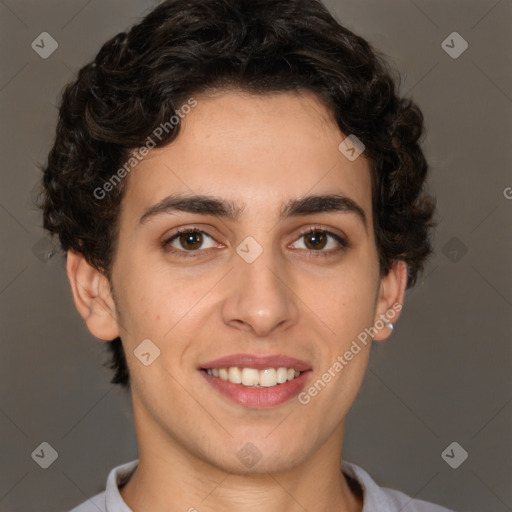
<point>240,192</point>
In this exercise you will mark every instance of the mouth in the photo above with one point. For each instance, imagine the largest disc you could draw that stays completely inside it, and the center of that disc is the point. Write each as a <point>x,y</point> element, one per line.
<point>252,377</point>
<point>256,382</point>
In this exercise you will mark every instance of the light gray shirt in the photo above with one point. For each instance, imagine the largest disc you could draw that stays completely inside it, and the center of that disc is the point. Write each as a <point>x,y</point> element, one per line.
<point>375,498</point>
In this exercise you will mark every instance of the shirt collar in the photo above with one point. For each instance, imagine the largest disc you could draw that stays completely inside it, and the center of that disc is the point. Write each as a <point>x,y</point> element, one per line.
<point>373,496</point>
<point>117,478</point>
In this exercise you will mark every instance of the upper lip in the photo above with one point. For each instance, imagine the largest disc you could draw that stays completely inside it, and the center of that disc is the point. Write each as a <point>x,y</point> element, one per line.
<point>258,362</point>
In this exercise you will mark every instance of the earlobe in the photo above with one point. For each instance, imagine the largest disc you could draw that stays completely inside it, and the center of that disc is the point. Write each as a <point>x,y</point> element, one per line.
<point>390,299</point>
<point>92,296</point>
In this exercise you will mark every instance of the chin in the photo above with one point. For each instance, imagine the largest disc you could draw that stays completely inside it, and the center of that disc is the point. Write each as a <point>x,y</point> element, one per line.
<point>256,457</point>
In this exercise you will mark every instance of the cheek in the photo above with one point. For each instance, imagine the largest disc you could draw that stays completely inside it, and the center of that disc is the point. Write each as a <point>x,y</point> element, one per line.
<point>142,304</point>
<point>153,302</point>
<point>346,301</point>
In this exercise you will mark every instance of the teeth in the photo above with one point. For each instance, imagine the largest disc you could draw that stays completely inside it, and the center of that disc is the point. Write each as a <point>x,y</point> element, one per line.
<point>235,375</point>
<point>266,378</point>
<point>250,377</point>
<point>282,375</point>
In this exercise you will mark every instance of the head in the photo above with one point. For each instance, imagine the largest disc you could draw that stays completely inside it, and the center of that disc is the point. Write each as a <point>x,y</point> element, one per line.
<point>246,104</point>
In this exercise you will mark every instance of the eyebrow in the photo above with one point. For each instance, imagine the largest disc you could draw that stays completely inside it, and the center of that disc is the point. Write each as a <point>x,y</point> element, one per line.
<point>211,205</point>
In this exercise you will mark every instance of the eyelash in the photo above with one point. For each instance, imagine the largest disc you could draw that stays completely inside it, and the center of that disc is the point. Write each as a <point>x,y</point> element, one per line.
<point>182,253</point>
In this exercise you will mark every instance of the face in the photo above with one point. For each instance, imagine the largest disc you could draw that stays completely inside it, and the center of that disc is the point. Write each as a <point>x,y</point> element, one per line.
<point>265,286</point>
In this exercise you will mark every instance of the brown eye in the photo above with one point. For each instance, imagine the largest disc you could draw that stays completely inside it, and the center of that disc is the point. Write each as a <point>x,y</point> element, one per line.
<point>320,242</point>
<point>189,240</point>
<point>315,240</point>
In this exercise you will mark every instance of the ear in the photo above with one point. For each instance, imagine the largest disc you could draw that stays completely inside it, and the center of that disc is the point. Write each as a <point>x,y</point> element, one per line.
<point>390,298</point>
<point>92,296</point>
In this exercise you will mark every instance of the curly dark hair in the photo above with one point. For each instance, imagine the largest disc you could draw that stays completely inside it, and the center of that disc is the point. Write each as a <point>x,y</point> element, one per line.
<point>139,79</point>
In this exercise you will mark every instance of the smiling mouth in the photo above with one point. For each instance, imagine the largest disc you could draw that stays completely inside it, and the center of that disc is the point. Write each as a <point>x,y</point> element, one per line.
<point>252,377</point>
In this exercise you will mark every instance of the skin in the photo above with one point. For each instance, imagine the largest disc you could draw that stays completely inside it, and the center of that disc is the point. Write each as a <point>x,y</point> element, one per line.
<point>258,151</point>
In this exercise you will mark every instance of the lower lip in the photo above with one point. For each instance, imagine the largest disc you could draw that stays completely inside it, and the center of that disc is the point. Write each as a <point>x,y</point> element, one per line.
<point>258,398</point>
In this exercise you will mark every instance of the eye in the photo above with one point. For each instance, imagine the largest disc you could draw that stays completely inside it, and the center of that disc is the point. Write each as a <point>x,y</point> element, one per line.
<point>316,240</point>
<point>188,240</point>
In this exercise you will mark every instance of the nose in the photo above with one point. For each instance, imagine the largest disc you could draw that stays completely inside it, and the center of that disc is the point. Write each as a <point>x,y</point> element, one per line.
<point>260,296</point>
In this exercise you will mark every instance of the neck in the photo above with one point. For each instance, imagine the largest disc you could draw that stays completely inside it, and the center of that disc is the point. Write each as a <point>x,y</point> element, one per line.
<point>170,478</point>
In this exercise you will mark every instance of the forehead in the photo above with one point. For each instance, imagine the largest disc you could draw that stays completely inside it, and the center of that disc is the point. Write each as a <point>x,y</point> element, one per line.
<point>256,151</point>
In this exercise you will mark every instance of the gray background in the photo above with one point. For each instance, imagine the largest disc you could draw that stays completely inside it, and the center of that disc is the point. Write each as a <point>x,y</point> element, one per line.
<point>443,376</point>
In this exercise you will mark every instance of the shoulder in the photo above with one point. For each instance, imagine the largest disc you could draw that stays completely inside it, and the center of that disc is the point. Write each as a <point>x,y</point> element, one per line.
<point>385,499</point>
<point>94,504</point>
<point>110,499</point>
